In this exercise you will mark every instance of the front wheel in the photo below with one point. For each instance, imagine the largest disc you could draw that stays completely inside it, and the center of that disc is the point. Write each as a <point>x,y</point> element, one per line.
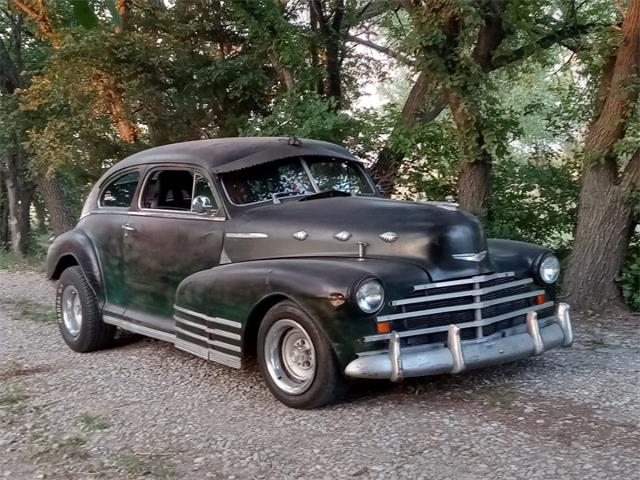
<point>79,317</point>
<point>296,359</point>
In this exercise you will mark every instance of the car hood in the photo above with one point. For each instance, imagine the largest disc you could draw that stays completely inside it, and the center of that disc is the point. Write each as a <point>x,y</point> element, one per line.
<point>428,235</point>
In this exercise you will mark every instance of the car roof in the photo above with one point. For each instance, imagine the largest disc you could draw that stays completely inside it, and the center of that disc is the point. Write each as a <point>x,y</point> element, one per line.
<point>231,154</point>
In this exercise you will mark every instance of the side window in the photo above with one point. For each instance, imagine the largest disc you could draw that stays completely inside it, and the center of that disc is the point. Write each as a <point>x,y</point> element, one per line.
<point>168,190</point>
<point>119,193</point>
<point>202,193</point>
<point>176,190</point>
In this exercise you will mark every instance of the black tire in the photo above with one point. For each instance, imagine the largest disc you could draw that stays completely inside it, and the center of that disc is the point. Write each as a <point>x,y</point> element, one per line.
<point>93,333</point>
<point>328,384</point>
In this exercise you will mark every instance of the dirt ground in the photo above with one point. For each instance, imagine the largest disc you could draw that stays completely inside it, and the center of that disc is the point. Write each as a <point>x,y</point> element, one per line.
<point>146,410</point>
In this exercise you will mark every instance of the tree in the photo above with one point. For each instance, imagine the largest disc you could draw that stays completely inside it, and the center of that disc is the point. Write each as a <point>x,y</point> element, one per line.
<point>610,178</point>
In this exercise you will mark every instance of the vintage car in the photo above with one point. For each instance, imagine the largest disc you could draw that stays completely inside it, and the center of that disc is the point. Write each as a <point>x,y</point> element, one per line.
<point>282,250</point>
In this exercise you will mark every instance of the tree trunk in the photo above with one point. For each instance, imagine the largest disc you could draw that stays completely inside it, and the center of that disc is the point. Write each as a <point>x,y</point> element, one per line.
<point>386,168</point>
<point>19,202</point>
<point>4,212</point>
<point>60,217</point>
<point>601,241</point>
<point>475,172</point>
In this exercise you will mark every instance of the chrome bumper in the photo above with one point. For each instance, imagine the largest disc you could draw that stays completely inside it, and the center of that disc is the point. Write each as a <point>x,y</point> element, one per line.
<point>456,356</point>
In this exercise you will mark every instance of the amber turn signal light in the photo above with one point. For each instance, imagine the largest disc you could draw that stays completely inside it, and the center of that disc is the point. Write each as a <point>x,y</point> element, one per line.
<point>540,299</point>
<point>383,327</point>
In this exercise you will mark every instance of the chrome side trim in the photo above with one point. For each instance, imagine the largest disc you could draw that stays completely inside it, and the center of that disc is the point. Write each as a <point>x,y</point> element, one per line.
<point>182,215</point>
<point>220,321</point>
<point>228,346</point>
<point>463,281</point>
<point>246,235</point>
<point>534,331</point>
<point>212,331</point>
<point>476,323</point>
<point>465,293</point>
<point>192,335</point>
<point>453,342</point>
<point>140,329</point>
<point>458,308</point>
<point>396,357</point>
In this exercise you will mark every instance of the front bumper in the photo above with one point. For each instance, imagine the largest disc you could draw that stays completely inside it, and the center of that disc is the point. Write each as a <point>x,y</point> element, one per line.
<point>456,356</point>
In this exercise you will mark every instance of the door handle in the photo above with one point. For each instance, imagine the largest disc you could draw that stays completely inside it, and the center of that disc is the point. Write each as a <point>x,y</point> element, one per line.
<point>128,228</point>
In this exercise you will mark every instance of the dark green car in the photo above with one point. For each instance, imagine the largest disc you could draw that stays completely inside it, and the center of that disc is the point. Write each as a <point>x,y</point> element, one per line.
<point>283,249</point>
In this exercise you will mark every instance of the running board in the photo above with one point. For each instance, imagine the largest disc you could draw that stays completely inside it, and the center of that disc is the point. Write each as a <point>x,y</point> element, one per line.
<point>140,329</point>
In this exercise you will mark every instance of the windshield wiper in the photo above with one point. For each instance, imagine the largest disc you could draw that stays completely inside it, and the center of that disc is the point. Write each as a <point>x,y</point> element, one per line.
<point>326,194</point>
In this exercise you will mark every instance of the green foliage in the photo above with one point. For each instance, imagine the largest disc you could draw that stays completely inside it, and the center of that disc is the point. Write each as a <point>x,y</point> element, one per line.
<point>304,116</point>
<point>629,279</point>
<point>535,202</point>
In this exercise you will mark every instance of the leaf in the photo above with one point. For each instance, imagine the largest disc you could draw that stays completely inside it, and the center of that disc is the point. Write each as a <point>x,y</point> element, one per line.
<point>83,14</point>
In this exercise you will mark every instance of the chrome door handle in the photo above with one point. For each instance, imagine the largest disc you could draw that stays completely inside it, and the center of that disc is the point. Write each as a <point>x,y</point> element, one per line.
<point>128,227</point>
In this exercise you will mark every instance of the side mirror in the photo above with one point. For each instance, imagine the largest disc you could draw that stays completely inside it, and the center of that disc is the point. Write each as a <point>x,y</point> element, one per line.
<point>202,204</point>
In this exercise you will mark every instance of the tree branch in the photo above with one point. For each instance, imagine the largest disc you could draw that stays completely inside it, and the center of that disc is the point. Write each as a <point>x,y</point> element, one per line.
<point>373,9</point>
<point>542,43</point>
<point>387,51</point>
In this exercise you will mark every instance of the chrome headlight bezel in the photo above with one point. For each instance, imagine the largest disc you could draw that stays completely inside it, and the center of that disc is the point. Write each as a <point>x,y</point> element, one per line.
<point>360,294</point>
<point>547,269</point>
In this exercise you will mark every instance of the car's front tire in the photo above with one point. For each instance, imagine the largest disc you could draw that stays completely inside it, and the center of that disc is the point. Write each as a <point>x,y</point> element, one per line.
<point>79,317</point>
<point>296,359</point>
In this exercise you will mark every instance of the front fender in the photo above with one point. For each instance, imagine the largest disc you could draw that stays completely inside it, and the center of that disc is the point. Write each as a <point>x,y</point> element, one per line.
<point>232,291</point>
<point>75,248</point>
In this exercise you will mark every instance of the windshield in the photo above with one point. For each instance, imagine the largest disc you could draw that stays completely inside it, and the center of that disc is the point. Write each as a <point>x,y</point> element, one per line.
<point>294,176</point>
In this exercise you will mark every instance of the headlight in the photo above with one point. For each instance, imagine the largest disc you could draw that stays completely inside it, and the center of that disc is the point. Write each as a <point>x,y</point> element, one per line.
<point>370,296</point>
<point>549,269</point>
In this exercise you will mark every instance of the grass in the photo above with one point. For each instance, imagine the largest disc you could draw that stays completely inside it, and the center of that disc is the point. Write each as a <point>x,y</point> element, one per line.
<point>12,398</point>
<point>137,465</point>
<point>13,262</point>
<point>67,447</point>
<point>34,311</point>
<point>93,423</point>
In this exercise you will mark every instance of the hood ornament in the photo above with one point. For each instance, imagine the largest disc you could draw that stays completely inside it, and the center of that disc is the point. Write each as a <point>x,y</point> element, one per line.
<point>343,236</point>
<point>388,237</point>
<point>300,235</point>
<point>471,257</point>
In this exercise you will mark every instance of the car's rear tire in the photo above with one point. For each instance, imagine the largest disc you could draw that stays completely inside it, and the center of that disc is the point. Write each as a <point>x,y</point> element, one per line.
<point>296,359</point>
<point>79,317</point>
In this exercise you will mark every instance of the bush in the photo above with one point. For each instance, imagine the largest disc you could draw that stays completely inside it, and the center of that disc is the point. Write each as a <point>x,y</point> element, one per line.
<point>629,279</point>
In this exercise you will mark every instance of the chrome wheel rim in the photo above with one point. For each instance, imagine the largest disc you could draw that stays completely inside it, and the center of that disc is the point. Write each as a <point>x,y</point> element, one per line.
<point>71,310</point>
<point>290,357</point>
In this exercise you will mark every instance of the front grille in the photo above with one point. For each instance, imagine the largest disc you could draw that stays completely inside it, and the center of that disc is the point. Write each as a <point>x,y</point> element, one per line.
<point>480,306</point>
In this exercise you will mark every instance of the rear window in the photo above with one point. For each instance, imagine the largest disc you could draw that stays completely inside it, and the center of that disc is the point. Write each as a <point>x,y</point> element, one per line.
<point>119,193</point>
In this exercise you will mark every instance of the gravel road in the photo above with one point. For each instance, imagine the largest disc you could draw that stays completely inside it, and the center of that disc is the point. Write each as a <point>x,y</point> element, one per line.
<point>146,410</point>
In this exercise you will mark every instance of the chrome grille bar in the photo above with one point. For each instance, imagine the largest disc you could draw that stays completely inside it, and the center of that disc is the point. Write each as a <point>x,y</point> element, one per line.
<point>464,281</point>
<point>465,293</point>
<point>477,323</point>
<point>458,308</point>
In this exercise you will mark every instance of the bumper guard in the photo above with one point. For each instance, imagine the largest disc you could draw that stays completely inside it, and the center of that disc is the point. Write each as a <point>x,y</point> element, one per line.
<point>456,356</point>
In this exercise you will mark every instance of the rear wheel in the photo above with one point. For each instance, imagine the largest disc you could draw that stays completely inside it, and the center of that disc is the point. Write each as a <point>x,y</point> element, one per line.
<point>79,317</point>
<point>296,359</point>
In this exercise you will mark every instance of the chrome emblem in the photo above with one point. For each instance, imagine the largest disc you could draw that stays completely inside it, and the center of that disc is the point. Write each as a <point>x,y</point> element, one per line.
<point>471,257</point>
<point>343,236</point>
<point>301,235</point>
<point>389,237</point>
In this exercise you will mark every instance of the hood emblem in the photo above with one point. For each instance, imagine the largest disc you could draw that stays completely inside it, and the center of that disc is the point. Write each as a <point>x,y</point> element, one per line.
<point>343,236</point>
<point>301,235</point>
<point>388,237</point>
<point>470,257</point>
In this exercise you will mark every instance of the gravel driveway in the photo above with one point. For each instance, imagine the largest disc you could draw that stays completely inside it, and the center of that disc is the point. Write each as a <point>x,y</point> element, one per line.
<point>144,409</point>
